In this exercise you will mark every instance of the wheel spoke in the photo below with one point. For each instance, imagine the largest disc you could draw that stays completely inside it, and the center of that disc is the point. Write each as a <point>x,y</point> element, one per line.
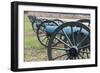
<point>59,56</point>
<point>68,58</point>
<point>82,51</point>
<point>43,39</point>
<point>81,56</point>
<point>78,37</point>
<point>83,40</point>
<point>62,41</point>
<point>79,34</point>
<point>41,28</point>
<point>57,48</point>
<point>78,57</point>
<point>41,32</point>
<point>42,35</point>
<point>75,57</point>
<point>47,42</point>
<point>80,30</point>
<point>67,38</point>
<point>85,52</point>
<point>88,54</point>
<point>73,36</point>
<point>85,46</point>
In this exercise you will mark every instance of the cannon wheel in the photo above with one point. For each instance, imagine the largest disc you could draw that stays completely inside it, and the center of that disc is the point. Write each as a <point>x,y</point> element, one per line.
<point>73,46</point>
<point>84,21</point>
<point>34,25</point>
<point>59,22</point>
<point>42,36</point>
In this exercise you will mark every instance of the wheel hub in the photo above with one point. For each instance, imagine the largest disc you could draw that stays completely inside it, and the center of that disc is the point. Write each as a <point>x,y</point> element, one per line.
<point>73,51</point>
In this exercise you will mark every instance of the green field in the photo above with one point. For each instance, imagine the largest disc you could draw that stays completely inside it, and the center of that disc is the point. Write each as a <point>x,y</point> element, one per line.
<point>30,37</point>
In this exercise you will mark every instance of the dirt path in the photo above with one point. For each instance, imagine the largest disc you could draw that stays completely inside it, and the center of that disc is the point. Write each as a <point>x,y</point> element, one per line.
<point>31,54</point>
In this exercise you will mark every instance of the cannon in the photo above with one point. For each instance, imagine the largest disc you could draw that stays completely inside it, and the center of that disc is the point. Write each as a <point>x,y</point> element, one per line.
<point>39,25</point>
<point>43,36</point>
<point>72,41</point>
<point>64,40</point>
<point>35,21</point>
<point>71,38</point>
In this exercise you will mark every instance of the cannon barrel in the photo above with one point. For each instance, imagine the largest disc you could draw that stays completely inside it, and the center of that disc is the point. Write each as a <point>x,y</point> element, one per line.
<point>51,29</point>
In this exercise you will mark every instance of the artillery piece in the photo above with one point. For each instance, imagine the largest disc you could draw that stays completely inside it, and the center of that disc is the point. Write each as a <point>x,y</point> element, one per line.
<point>38,26</point>
<point>70,39</point>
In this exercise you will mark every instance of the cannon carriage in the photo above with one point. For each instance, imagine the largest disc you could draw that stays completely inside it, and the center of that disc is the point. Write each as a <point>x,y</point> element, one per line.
<point>70,39</point>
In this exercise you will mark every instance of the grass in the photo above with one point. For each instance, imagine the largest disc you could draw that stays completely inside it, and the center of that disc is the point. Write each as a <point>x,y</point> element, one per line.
<point>28,25</point>
<point>30,40</point>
